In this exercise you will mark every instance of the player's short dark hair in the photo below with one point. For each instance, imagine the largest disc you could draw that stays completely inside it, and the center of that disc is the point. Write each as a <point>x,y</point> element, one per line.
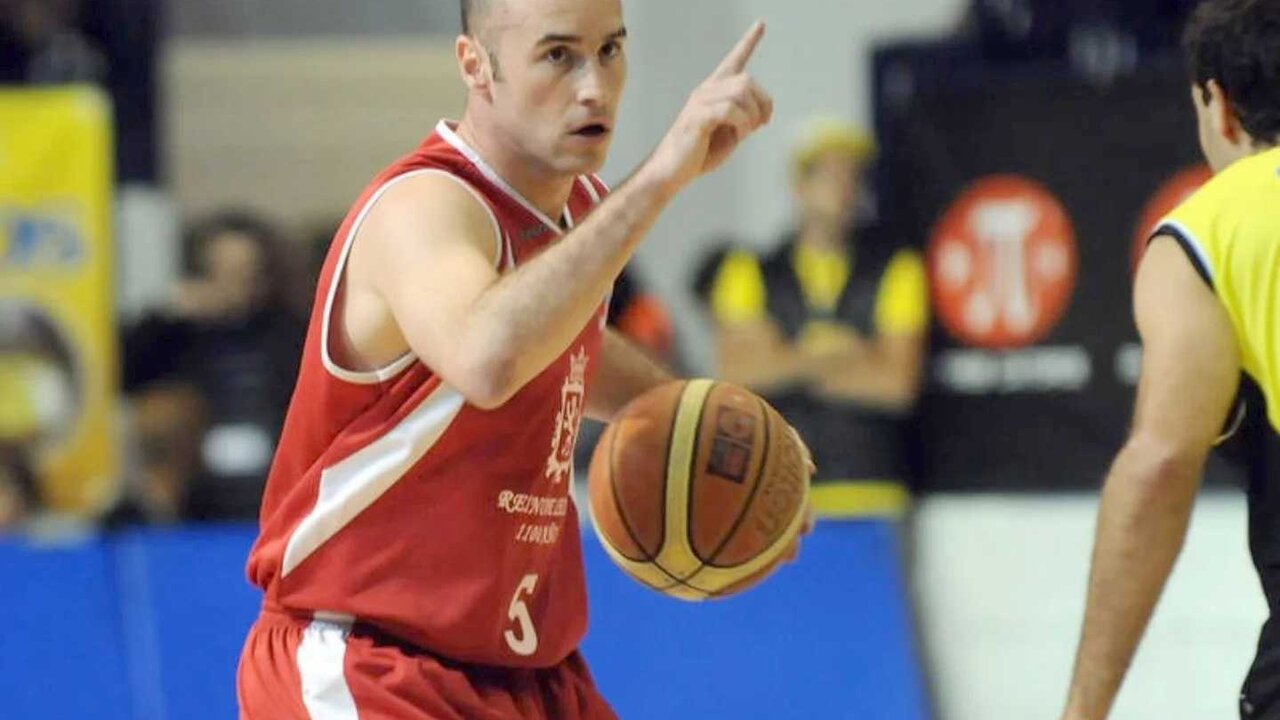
<point>1237,43</point>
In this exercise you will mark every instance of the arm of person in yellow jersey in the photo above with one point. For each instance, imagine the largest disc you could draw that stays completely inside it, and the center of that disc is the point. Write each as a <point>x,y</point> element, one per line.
<point>1190,374</point>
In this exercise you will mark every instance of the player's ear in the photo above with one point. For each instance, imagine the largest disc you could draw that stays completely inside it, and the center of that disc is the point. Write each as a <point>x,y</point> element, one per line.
<point>1221,115</point>
<point>472,63</point>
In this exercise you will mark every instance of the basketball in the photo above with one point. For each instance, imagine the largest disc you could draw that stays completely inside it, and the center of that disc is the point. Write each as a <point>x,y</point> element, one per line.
<point>697,489</point>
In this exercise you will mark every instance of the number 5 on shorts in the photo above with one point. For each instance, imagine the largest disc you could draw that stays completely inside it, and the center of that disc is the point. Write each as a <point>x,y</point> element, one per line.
<point>523,640</point>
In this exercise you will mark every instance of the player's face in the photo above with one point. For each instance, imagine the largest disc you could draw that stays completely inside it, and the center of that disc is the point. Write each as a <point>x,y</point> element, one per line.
<point>828,192</point>
<point>233,264</point>
<point>561,73</point>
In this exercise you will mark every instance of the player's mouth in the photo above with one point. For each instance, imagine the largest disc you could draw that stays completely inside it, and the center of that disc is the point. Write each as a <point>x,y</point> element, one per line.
<point>592,131</point>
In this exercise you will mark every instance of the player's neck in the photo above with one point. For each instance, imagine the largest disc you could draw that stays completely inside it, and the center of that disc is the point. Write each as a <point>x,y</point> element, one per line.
<point>548,192</point>
<point>822,237</point>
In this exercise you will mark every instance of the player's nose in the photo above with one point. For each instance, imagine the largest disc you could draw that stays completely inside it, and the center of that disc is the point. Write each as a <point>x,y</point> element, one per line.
<point>593,86</point>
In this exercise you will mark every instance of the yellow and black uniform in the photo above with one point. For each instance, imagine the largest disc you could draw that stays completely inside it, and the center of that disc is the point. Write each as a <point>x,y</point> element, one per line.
<point>1230,230</point>
<point>868,287</point>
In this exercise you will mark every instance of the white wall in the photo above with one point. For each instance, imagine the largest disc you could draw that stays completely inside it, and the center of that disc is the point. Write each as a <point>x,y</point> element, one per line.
<point>815,60</point>
<point>1002,587</point>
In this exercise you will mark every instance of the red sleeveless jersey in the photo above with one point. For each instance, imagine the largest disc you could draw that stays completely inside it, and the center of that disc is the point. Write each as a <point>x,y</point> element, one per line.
<point>393,502</point>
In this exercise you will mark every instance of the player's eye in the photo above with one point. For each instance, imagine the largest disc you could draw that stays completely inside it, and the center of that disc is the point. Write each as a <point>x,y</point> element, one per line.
<point>559,55</point>
<point>611,50</point>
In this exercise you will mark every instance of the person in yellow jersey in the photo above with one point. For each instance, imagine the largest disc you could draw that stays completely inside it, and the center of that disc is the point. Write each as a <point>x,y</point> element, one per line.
<point>1207,304</point>
<point>830,328</point>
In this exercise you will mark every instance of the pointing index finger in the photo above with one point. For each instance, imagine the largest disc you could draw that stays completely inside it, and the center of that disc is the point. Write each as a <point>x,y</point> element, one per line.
<point>736,61</point>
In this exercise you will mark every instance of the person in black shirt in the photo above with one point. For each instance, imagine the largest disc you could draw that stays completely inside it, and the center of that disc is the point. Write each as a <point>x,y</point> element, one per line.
<point>830,328</point>
<point>231,334</point>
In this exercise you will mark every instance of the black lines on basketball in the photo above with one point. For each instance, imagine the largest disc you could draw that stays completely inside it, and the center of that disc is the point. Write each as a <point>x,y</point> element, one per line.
<point>617,501</point>
<point>713,456</point>
<point>756,482</point>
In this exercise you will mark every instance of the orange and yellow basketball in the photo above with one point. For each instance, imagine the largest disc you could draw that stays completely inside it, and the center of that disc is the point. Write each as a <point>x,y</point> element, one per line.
<point>698,488</point>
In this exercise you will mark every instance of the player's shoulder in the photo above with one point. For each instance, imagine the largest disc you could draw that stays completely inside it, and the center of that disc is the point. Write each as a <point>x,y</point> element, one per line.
<point>430,205</point>
<point>1239,189</point>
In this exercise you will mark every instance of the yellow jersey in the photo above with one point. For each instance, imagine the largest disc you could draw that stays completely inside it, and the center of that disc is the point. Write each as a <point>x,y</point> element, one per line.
<point>738,292</point>
<point>1230,229</point>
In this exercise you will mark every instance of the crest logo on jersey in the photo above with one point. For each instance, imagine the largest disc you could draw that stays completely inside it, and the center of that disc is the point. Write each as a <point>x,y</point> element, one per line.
<point>565,438</point>
<point>1002,263</point>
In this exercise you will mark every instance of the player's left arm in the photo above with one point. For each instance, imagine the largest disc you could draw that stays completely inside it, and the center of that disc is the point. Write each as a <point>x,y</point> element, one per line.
<point>1190,373</point>
<point>622,373</point>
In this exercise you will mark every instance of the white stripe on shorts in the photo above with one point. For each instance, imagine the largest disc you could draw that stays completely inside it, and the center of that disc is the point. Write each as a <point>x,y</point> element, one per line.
<point>320,664</point>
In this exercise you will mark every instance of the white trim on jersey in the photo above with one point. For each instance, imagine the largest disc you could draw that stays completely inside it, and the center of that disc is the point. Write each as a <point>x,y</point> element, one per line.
<point>603,184</point>
<point>373,377</point>
<point>451,137</point>
<point>352,485</point>
<point>1194,242</point>
<point>321,660</point>
<point>590,187</point>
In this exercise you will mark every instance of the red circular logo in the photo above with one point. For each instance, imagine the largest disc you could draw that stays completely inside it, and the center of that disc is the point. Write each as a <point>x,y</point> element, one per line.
<point>1002,263</point>
<point>1171,194</point>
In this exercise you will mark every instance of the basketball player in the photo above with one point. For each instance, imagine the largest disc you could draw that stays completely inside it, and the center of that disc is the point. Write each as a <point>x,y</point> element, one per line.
<point>1207,302</point>
<point>419,552</point>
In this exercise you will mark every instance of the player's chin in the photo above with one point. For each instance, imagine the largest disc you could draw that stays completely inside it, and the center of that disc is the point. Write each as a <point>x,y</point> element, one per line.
<point>583,160</point>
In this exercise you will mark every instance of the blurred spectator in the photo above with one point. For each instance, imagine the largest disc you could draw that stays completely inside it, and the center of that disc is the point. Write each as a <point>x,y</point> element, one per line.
<point>167,430</point>
<point>829,327</point>
<point>19,492</point>
<point>226,348</point>
<point>1099,38</point>
<point>41,43</point>
<point>109,43</point>
<point>642,318</point>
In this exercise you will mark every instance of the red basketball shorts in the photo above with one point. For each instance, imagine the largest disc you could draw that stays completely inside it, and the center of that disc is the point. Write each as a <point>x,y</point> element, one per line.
<point>300,669</point>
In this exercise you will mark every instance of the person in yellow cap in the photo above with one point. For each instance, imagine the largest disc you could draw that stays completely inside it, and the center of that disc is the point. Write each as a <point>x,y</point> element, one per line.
<point>829,327</point>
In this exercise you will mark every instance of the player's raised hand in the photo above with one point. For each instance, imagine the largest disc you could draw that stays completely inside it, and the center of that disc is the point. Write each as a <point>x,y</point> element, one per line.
<point>720,113</point>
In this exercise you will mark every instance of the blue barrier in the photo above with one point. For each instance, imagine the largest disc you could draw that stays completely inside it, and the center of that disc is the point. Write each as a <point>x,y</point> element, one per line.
<point>148,625</point>
<point>827,637</point>
<point>62,652</point>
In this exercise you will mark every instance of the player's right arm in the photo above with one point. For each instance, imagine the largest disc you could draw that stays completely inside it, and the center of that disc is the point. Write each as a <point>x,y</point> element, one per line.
<point>1190,370</point>
<point>426,253</point>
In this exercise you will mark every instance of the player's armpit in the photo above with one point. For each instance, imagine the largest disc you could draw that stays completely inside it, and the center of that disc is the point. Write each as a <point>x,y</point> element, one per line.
<point>423,257</point>
<point>1191,360</point>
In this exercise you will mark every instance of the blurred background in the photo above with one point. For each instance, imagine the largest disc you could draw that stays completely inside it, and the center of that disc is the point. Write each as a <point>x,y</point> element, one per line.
<point>940,226</point>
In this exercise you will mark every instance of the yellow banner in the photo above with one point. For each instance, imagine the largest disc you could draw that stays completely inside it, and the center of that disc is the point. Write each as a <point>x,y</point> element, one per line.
<point>58,361</point>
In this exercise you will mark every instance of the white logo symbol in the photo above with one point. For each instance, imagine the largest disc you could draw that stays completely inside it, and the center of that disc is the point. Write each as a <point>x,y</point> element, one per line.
<point>565,437</point>
<point>1002,230</point>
